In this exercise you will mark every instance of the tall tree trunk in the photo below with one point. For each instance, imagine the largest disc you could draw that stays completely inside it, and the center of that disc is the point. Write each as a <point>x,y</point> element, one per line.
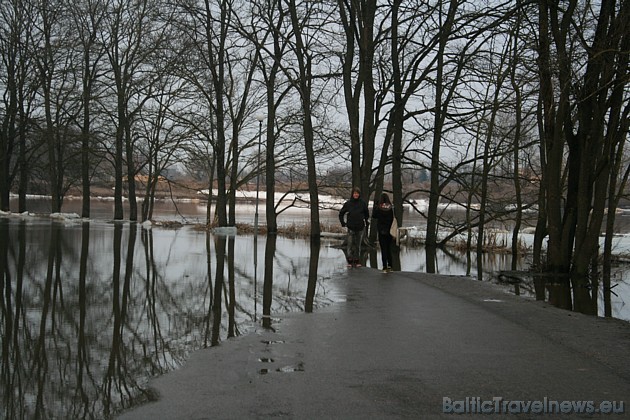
<point>305,90</point>
<point>398,121</point>
<point>501,74</point>
<point>276,21</point>
<point>352,97</point>
<point>553,140</point>
<point>85,155</point>
<point>540,233</point>
<point>438,122</point>
<point>118,161</point>
<point>216,59</point>
<point>131,174</point>
<point>46,70</point>
<point>485,170</point>
<point>234,152</point>
<point>22,159</point>
<point>86,98</point>
<point>472,192</point>
<point>357,18</point>
<point>211,166</point>
<point>590,134</point>
<point>379,179</point>
<point>8,133</point>
<point>270,168</point>
<point>518,123</point>
<point>366,73</point>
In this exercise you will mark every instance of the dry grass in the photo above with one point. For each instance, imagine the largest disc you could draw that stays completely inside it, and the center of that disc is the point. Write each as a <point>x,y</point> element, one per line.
<point>493,243</point>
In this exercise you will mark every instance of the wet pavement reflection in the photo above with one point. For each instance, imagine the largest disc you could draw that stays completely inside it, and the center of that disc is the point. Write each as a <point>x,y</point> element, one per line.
<point>92,310</point>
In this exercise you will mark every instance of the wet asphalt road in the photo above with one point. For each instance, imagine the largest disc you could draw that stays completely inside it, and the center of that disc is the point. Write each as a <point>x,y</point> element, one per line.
<point>408,346</point>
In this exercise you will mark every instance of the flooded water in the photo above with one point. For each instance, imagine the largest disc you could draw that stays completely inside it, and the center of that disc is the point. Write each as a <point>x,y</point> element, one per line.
<point>92,310</point>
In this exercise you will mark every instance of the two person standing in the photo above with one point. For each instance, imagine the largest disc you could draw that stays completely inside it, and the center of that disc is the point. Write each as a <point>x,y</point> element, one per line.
<point>355,216</point>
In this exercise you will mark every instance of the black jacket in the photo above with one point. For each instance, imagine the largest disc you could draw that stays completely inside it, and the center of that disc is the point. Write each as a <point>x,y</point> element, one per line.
<point>384,215</point>
<point>358,214</point>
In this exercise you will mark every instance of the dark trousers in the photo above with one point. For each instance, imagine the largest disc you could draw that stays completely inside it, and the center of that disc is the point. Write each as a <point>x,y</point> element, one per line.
<point>386,249</point>
<point>355,237</point>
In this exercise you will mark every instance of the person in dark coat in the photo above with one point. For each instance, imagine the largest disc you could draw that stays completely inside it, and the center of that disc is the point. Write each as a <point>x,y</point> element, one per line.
<point>354,215</point>
<point>384,214</point>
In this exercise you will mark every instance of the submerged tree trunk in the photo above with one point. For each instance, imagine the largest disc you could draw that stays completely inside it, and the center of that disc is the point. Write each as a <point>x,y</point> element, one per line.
<point>231,196</point>
<point>216,61</point>
<point>538,266</point>
<point>270,138</point>
<point>305,90</point>
<point>46,63</point>
<point>270,169</point>
<point>574,221</point>
<point>85,158</point>
<point>118,169</point>
<point>518,123</point>
<point>131,175</point>
<point>551,183</point>
<point>211,166</point>
<point>439,118</point>
<point>88,31</point>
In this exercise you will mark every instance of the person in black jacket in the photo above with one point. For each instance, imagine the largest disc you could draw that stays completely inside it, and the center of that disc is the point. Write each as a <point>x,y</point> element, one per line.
<point>384,214</point>
<point>354,215</point>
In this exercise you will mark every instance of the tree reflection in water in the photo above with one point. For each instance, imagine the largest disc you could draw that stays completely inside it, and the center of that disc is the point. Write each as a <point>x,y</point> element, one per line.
<point>92,311</point>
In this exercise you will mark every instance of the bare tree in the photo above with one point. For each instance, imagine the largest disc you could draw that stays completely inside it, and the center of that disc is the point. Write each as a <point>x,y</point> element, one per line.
<point>305,50</point>
<point>15,40</point>
<point>518,131</point>
<point>446,21</point>
<point>88,17</point>
<point>583,78</point>
<point>132,33</point>
<point>207,30</point>
<point>123,44</point>
<point>239,101</point>
<point>215,24</point>
<point>164,134</point>
<point>358,22</point>
<point>54,59</point>
<point>271,21</point>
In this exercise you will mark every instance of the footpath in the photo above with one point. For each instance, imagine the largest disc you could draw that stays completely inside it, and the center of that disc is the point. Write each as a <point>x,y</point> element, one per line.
<point>409,346</point>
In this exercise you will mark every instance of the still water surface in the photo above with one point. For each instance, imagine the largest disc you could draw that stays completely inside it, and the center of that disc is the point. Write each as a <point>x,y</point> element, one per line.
<point>93,310</point>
